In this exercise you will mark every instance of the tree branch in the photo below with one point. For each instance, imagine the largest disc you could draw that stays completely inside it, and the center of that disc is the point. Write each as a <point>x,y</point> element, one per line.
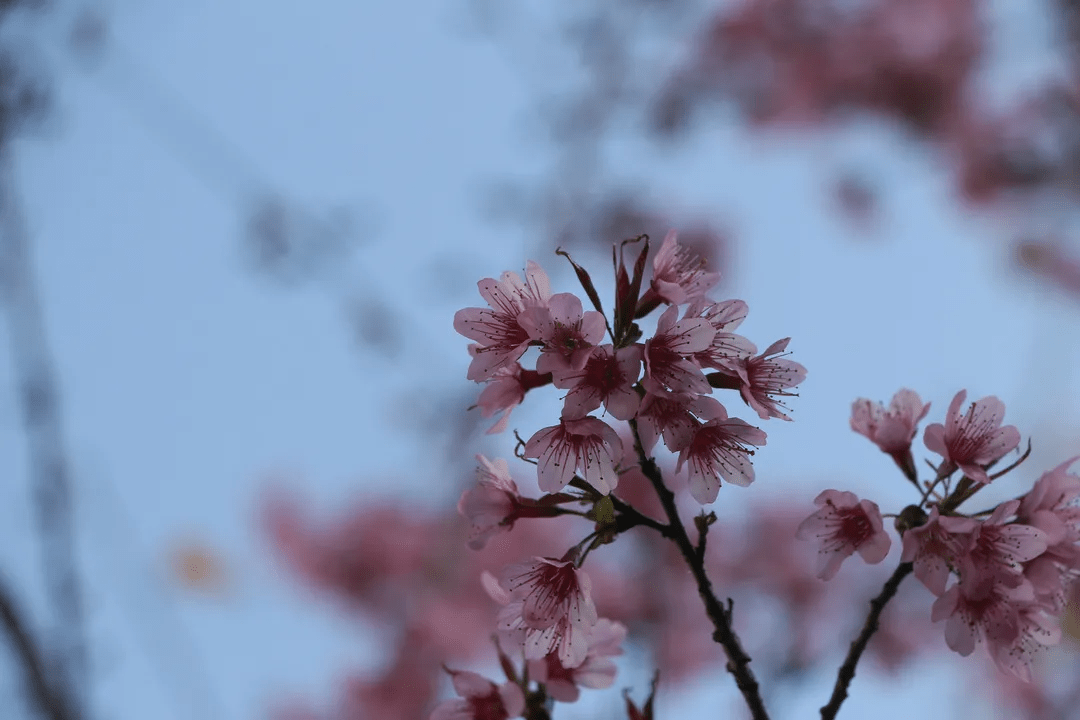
<point>49,699</point>
<point>847,670</point>
<point>738,661</point>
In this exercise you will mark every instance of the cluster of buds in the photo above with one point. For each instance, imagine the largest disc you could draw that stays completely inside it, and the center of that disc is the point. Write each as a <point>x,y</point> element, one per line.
<point>1009,566</point>
<point>661,385</point>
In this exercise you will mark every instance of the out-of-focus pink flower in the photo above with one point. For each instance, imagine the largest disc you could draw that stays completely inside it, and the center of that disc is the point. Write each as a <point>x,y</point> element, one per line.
<point>568,334</point>
<point>597,671</point>
<point>501,337</point>
<point>588,444</point>
<point>547,607</point>
<point>679,275</point>
<point>490,506</point>
<point>608,378</point>
<point>975,439</point>
<point>481,699</point>
<point>720,447</point>
<point>934,550</point>
<point>765,379</point>
<point>891,430</point>
<point>844,525</point>
<point>1036,631</point>
<point>667,366</point>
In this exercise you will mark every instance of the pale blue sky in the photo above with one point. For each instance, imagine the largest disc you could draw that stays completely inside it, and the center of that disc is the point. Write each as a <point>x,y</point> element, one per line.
<point>187,380</point>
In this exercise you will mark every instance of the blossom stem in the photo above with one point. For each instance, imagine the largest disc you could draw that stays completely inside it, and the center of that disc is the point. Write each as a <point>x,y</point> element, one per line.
<point>738,661</point>
<point>847,670</point>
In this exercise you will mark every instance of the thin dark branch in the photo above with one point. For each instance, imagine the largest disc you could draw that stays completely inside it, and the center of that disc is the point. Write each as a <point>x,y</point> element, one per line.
<point>50,475</point>
<point>48,699</point>
<point>738,661</point>
<point>847,670</point>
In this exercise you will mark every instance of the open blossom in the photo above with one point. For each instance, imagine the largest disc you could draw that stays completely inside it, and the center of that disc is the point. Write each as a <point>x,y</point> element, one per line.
<point>481,699</point>
<point>670,415</point>
<point>568,334</point>
<point>679,275</point>
<point>547,607</point>
<point>843,526</point>
<point>491,506</point>
<point>891,430</point>
<point>979,608</point>
<point>597,671</point>
<point>501,337</point>
<point>588,444</point>
<point>607,378</point>
<point>720,447</point>
<point>768,378</point>
<point>975,439</point>
<point>726,348</point>
<point>993,548</point>
<point>666,363</point>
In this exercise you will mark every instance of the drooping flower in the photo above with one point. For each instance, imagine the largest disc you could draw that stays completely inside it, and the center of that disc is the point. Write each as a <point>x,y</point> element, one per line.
<point>894,429</point>
<point>547,607</point>
<point>480,699</point>
<point>667,366</point>
<point>843,526</point>
<point>568,334</point>
<point>587,444</point>
<point>597,671</point>
<point>608,378</point>
<point>491,506</point>
<point>679,275</point>
<point>501,337</point>
<point>975,439</point>
<point>720,447</point>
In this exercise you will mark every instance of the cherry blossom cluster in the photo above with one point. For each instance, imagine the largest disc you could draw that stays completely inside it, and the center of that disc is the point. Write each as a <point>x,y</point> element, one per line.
<point>662,385</point>
<point>1000,575</point>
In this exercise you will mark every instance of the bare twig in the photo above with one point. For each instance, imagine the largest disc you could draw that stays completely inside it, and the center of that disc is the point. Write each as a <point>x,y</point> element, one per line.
<point>847,670</point>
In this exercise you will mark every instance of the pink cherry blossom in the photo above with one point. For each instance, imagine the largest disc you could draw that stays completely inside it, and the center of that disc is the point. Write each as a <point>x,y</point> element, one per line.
<point>934,550</point>
<point>667,366</point>
<point>597,671</point>
<point>481,699</point>
<point>1036,630</point>
<point>585,444</point>
<point>891,430</point>
<point>607,378</point>
<point>547,607</point>
<point>844,525</point>
<point>669,414</point>
<point>993,548</point>
<point>568,335</point>
<point>726,348</point>
<point>720,447</point>
<point>505,390</point>
<point>979,608</point>
<point>762,379</point>
<point>491,506</point>
<point>679,275</point>
<point>975,439</point>
<point>501,337</point>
